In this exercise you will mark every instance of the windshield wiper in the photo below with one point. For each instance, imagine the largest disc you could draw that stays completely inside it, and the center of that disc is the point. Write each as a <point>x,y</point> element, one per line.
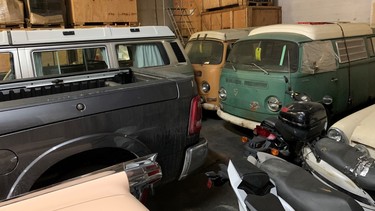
<point>232,65</point>
<point>260,68</point>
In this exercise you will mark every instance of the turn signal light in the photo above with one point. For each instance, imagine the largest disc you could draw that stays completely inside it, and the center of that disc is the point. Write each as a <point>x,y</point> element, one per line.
<point>275,152</point>
<point>244,139</point>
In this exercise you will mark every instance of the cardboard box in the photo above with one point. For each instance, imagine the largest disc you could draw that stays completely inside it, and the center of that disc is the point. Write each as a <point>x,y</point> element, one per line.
<point>81,12</point>
<point>45,12</point>
<point>11,12</point>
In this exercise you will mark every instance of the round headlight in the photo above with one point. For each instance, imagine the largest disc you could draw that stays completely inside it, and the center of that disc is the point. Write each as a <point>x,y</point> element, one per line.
<point>273,104</point>
<point>205,87</point>
<point>222,94</point>
<point>337,135</point>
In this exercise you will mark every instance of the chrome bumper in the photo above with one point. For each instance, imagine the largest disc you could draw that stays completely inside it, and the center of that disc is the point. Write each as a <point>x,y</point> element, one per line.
<point>209,106</point>
<point>195,156</point>
<point>142,173</point>
<point>237,120</point>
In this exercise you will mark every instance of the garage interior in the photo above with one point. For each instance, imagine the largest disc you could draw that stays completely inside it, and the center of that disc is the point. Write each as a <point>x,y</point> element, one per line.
<point>185,17</point>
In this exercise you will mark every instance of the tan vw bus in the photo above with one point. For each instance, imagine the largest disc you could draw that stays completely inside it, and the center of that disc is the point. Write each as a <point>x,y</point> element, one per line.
<point>207,51</point>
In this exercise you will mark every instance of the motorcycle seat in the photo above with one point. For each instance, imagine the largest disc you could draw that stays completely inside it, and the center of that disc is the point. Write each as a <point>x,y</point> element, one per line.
<point>348,160</point>
<point>268,202</point>
<point>254,180</point>
<point>303,191</point>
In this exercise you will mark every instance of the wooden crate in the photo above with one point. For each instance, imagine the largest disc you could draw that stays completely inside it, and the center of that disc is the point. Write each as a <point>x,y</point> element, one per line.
<point>241,17</point>
<point>45,13</point>
<point>11,13</point>
<point>225,3</point>
<point>85,12</point>
<point>210,4</point>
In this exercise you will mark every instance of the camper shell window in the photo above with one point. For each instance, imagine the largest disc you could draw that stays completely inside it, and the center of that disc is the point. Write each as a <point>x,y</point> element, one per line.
<point>268,55</point>
<point>141,55</point>
<point>205,51</point>
<point>6,66</point>
<point>318,57</point>
<point>65,61</point>
<point>355,49</point>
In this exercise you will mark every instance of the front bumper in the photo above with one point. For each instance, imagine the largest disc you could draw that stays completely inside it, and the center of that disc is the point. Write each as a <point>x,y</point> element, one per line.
<point>210,106</point>
<point>195,156</point>
<point>237,120</point>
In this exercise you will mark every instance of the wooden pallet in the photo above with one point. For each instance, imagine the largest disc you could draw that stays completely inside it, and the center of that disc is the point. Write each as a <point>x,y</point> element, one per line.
<point>259,3</point>
<point>103,24</point>
<point>12,25</point>
<point>45,25</point>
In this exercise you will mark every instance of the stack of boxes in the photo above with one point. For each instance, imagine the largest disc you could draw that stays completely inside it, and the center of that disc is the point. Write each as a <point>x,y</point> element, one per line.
<point>67,13</point>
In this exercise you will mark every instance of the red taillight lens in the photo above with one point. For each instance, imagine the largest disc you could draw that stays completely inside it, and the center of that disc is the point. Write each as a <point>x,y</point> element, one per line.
<point>261,131</point>
<point>195,119</point>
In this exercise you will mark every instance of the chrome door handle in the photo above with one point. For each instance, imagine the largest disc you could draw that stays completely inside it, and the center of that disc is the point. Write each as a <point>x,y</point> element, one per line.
<point>334,79</point>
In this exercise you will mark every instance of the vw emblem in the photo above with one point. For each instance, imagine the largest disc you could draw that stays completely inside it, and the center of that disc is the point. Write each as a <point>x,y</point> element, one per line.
<point>235,92</point>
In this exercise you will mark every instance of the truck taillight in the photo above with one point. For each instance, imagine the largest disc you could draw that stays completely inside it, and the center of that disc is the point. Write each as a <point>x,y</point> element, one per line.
<point>195,119</point>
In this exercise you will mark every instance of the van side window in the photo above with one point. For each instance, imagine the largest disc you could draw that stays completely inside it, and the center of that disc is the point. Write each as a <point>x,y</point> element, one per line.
<point>355,48</point>
<point>141,55</point>
<point>6,67</point>
<point>318,57</point>
<point>67,61</point>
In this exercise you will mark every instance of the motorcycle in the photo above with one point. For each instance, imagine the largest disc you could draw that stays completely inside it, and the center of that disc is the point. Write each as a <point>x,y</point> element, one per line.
<point>343,167</point>
<point>300,127</point>
<point>285,136</point>
<point>271,183</point>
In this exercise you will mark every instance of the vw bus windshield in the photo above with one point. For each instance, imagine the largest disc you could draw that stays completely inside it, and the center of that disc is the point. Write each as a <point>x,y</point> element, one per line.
<point>205,51</point>
<point>264,55</point>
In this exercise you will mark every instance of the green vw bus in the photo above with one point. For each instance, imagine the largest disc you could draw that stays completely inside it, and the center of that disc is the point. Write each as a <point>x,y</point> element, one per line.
<point>332,63</point>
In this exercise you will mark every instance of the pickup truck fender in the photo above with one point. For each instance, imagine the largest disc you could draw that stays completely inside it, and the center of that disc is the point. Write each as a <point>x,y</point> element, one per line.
<point>70,149</point>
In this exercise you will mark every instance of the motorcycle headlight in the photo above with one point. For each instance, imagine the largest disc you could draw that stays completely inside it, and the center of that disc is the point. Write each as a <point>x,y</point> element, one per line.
<point>363,149</point>
<point>273,104</point>
<point>337,135</point>
<point>205,87</point>
<point>222,94</point>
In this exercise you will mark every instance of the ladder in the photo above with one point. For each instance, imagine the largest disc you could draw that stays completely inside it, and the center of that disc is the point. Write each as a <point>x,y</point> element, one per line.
<point>181,22</point>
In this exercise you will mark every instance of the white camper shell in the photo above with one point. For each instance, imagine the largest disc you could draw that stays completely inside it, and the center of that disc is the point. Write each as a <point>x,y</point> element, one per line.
<point>53,52</point>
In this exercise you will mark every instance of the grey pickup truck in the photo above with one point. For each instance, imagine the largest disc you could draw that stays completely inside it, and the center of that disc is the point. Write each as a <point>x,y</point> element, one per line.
<point>77,100</point>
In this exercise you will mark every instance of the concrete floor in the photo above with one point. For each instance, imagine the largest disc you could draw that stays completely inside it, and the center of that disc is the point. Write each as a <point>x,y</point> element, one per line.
<point>192,193</point>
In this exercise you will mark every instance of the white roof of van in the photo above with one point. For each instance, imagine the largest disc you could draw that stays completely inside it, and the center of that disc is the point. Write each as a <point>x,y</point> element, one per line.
<point>223,34</point>
<point>318,31</point>
<point>82,34</point>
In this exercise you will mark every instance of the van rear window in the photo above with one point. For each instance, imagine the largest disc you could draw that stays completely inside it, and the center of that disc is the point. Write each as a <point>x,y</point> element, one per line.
<point>65,61</point>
